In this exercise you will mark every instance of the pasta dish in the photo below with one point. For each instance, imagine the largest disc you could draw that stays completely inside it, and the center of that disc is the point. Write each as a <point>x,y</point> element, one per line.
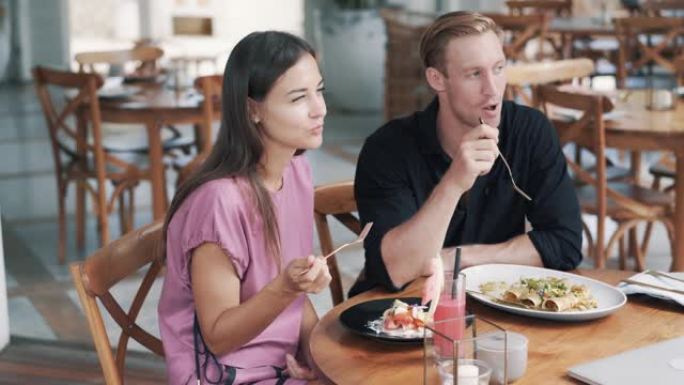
<point>550,294</point>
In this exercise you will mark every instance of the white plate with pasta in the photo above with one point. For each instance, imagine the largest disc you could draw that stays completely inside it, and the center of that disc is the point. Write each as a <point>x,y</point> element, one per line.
<point>542,293</point>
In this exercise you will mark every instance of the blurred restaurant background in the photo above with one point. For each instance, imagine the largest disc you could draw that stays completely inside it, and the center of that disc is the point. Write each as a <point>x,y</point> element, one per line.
<point>160,63</point>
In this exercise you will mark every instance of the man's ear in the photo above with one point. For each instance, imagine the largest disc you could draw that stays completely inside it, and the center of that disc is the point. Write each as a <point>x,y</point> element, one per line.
<point>253,108</point>
<point>435,79</point>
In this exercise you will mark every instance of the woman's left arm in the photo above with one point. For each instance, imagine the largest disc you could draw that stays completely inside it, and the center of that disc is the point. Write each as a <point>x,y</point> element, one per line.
<point>309,319</point>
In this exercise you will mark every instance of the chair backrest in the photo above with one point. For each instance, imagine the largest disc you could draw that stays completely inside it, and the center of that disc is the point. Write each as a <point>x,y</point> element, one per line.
<point>72,113</point>
<point>146,56</point>
<point>562,8</point>
<point>520,30</point>
<point>578,118</point>
<point>406,89</point>
<point>647,40</point>
<point>580,121</point>
<point>74,126</point>
<point>95,277</point>
<point>679,70</point>
<point>523,75</point>
<point>335,200</point>
<point>663,7</point>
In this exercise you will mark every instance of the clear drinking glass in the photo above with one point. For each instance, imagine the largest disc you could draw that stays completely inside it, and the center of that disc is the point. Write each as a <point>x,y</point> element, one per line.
<point>449,360</point>
<point>451,306</point>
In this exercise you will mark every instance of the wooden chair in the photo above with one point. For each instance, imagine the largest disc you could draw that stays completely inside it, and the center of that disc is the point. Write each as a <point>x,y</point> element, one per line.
<point>525,78</point>
<point>406,90</point>
<point>663,7</point>
<point>335,200</point>
<point>79,155</point>
<point>145,58</point>
<point>519,30</point>
<point>210,87</point>
<point>94,279</point>
<point>558,8</point>
<point>530,75</point>
<point>665,167</point>
<point>551,8</point>
<point>635,52</point>
<point>679,70</point>
<point>578,118</point>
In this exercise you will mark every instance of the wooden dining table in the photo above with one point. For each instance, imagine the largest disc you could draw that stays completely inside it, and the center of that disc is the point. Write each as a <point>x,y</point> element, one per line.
<point>634,127</point>
<point>347,358</point>
<point>154,105</point>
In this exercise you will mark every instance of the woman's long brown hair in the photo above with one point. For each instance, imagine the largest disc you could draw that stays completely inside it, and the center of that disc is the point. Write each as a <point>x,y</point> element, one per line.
<point>253,67</point>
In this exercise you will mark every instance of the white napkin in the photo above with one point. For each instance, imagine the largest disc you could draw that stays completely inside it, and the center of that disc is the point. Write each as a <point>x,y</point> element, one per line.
<point>649,279</point>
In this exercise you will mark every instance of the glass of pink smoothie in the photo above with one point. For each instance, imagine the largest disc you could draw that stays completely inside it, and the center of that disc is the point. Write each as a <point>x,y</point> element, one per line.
<point>451,306</point>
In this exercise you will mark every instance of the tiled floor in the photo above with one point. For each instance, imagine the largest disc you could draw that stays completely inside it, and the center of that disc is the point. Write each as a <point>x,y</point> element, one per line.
<point>42,303</point>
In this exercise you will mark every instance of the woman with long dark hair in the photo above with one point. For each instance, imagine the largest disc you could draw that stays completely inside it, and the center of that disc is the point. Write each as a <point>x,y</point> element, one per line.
<point>239,232</point>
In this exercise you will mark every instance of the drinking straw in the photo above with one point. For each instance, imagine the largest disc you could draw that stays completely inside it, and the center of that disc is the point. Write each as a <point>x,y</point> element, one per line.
<point>457,269</point>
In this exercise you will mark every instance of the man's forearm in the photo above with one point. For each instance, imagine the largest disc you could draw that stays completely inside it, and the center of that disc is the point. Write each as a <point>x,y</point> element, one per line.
<point>518,250</point>
<point>407,248</point>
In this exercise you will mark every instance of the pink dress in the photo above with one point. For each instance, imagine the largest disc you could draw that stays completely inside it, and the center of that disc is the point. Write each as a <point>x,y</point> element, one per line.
<point>217,212</point>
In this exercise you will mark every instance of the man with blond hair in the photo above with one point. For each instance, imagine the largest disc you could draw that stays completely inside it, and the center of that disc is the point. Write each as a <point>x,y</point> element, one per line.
<point>434,181</point>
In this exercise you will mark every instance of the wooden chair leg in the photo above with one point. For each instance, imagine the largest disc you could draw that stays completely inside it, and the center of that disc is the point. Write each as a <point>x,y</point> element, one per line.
<point>591,246</point>
<point>656,183</point>
<point>600,252</point>
<point>61,223</point>
<point>80,215</point>
<point>647,237</point>
<point>669,227</point>
<point>633,243</point>
<point>649,225</point>
<point>618,236</point>
<point>123,220</point>
<point>103,225</point>
<point>639,260</point>
<point>131,208</point>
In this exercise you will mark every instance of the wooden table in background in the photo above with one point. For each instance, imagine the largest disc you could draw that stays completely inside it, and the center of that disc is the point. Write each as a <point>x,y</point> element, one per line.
<point>346,358</point>
<point>156,106</point>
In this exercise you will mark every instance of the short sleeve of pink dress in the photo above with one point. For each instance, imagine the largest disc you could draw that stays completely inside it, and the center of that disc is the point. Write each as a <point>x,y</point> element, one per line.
<point>218,212</point>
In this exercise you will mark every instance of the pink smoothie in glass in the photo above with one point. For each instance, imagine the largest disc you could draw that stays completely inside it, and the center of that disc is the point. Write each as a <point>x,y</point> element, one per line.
<point>449,309</point>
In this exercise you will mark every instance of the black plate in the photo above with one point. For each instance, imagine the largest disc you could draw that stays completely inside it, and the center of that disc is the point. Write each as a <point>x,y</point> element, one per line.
<point>356,319</point>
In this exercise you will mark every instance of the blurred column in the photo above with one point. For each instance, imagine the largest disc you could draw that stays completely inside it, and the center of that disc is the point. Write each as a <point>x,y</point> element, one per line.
<point>144,18</point>
<point>4,313</point>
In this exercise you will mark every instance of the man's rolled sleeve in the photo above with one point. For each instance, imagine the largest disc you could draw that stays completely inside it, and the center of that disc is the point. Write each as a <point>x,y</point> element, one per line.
<point>554,213</point>
<point>383,197</point>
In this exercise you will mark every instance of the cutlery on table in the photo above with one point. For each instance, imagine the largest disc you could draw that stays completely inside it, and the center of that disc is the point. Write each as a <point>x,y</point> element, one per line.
<point>643,284</point>
<point>663,275</point>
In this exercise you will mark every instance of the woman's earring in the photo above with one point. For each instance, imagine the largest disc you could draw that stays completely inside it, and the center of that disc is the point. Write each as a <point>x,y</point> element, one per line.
<point>256,121</point>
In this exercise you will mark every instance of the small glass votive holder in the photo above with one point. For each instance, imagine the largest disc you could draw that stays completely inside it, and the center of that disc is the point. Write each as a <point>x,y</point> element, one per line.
<point>492,349</point>
<point>451,355</point>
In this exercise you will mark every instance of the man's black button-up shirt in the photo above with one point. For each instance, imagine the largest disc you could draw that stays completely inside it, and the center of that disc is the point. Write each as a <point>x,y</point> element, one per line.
<point>403,160</point>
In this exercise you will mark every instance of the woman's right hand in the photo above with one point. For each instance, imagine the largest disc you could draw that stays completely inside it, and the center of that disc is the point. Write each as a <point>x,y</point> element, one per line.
<point>306,275</point>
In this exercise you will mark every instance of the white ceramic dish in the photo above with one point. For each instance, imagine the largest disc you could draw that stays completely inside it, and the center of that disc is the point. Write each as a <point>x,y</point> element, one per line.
<point>609,298</point>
